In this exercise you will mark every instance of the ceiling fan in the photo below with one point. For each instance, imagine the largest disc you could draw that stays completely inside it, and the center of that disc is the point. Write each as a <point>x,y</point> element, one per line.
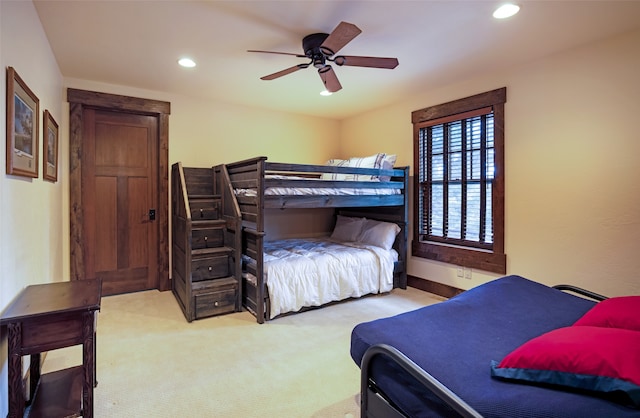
<point>321,48</point>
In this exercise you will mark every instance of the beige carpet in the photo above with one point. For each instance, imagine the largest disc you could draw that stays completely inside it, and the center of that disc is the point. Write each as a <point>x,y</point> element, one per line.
<point>152,363</point>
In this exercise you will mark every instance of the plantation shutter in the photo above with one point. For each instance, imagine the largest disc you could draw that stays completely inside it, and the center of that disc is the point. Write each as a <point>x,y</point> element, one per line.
<point>456,176</point>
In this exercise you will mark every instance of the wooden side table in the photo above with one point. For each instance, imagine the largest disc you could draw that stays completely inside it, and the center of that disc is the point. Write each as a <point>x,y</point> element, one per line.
<point>48,317</point>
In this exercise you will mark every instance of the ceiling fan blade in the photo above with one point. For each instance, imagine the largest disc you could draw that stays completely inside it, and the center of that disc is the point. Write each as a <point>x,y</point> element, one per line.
<point>284,72</point>
<point>275,52</point>
<point>329,78</point>
<point>374,62</point>
<point>341,35</point>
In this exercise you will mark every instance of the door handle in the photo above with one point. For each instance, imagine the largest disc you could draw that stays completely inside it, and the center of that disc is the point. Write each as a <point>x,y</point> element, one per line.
<point>152,214</point>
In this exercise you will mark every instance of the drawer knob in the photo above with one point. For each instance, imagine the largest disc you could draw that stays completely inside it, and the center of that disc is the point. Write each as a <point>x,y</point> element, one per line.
<point>210,268</point>
<point>201,213</point>
<point>216,303</point>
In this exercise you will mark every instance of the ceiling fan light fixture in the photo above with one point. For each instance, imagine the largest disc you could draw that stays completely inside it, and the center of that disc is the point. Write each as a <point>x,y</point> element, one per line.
<point>186,62</point>
<point>506,10</point>
<point>319,62</point>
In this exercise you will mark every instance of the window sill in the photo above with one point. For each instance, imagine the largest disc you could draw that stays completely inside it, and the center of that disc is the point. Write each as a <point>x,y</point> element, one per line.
<point>461,256</point>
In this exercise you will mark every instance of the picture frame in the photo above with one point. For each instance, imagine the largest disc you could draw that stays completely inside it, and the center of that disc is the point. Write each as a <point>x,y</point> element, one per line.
<point>23,118</point>
<point>50,147</point>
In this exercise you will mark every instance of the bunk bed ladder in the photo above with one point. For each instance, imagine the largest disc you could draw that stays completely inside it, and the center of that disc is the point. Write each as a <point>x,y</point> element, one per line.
<point>205,259</point>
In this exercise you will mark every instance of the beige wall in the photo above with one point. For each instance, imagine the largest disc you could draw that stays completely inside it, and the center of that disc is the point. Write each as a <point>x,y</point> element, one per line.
<point>31,234</point>
<point>572,146</point>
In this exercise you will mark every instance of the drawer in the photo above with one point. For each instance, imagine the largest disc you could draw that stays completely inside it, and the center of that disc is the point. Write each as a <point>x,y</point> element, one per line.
<point>52,332</point>
<point>203,210</point>
<point>206,238</point>
<point>209,268</point>
<point>215,303</point>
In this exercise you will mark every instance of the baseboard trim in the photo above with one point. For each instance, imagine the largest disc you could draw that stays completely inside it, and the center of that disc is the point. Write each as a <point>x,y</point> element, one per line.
<point>439,289</point>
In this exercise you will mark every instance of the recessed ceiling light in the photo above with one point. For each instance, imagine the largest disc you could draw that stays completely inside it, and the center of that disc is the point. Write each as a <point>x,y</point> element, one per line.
<point>506,10</point>
<point>325,93</point>
<point>187,62</point>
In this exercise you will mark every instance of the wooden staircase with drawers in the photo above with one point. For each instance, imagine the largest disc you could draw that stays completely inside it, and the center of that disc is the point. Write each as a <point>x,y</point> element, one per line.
<point>206,273</point>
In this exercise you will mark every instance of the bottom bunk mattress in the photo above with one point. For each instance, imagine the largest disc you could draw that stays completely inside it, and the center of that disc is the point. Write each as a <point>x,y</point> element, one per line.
<point>312,272</point>
<point>456,341</point>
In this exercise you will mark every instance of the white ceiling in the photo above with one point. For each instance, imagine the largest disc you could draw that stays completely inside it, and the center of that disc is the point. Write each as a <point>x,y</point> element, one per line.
<point>137,43</point>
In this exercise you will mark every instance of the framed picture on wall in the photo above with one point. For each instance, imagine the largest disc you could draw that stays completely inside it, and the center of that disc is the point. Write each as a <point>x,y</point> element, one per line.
<point>23,111</point>
<point>50,149</point>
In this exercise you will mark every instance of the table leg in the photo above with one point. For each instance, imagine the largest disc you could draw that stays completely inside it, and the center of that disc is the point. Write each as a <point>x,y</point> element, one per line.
<point>35,369</point>
<point>16,394</point>
<point>88,363</point>
<point>95,357</point>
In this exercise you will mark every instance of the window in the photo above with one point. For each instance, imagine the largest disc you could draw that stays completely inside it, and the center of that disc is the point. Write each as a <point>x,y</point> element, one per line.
<point>459,182</point>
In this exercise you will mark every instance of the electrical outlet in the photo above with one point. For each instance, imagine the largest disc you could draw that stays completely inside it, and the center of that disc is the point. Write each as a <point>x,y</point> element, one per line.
<point>467,273</point>
<point>460,271</point>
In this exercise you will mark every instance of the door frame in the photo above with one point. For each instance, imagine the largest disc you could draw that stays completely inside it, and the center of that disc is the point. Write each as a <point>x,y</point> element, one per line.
<point>78,100</point>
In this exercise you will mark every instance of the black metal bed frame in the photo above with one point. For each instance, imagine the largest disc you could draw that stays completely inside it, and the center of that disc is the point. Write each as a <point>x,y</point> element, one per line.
<point>375,404</point>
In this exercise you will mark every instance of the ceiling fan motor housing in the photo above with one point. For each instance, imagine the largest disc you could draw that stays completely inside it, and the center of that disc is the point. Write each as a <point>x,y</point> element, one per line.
<point>311,47</point>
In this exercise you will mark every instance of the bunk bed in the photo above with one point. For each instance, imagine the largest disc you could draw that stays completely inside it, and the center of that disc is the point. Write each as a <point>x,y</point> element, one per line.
<point>375,197</point>
<point>509,348</point>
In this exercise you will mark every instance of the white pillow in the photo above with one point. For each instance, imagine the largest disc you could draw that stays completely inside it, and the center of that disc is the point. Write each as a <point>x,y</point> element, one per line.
<point>380,160</point>
<point>347,228</point>
<point>335,162</point>
<point>380,234</point>
<point>373,161</point>
<point>387,164</point>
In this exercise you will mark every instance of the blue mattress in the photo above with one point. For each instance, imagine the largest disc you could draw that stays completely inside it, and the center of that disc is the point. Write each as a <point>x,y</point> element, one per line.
<point>456,340</point>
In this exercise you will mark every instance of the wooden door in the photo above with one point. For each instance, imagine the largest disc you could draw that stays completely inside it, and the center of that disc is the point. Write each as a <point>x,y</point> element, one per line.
<point>118,192</point>
<point>119,198</point>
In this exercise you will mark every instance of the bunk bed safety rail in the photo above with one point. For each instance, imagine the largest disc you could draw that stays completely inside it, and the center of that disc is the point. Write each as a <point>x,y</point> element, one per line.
<point>310,169</point>
<point>248,174</point>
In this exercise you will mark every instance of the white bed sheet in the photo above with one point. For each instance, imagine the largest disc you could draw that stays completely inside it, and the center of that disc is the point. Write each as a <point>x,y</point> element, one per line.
<point>313,272</point>
<point>314,191</point>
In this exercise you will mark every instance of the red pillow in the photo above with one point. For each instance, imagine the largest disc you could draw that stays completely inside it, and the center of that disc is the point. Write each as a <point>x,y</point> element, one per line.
<point>619,312</point>
<point>605,360</point>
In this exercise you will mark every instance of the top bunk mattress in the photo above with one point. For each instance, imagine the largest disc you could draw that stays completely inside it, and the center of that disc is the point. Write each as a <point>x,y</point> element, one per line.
<point>456,340</point>
<point>317,191</point>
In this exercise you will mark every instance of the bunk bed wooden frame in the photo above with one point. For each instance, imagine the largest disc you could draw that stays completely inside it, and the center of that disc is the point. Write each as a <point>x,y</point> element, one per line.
<point>257,174</point>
